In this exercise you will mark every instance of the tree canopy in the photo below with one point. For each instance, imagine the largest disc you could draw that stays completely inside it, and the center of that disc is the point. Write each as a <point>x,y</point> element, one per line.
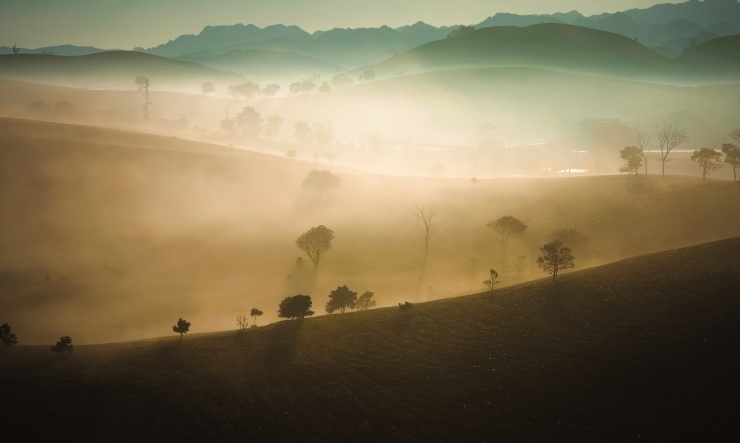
<point>633,159</point>
<point>321,180</point>
<point>7,338</point>
<point>341,299</point>
<point>63,346</point>
<point>732,157</point>
<point>555,258</point>
<point>315,242</point>
<point>365,301</point>
<point>708,160</point>
<point>297,306</point>
<point>182,327</point>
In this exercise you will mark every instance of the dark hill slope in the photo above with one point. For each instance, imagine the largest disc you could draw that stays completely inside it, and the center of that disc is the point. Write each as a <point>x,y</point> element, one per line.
<point>644,348</point>
<point>719,57</point>
<point>111,69</point>
<point>549,45</point>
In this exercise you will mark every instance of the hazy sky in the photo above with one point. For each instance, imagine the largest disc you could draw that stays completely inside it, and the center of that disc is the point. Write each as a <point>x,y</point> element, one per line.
<point>128,23</point>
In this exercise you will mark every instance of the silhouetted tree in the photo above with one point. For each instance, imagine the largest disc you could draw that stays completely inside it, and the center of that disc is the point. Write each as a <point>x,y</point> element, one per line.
<point>255,313</point>
<point>321,180</point>
<point>708,160</point>
<point>341,80</point>
<point>7,338</point>
<point>16,49</point>
<point>143,84</point>
<point>365,301</point>
<point>228,126</point>
<point>182,327</point>
<point>405,307</point>
<point>63,346</point>
<point>732,157</point>
<point>643,141</point>
<point>426,226</point>
<point>249,121</point>
<point>325,88</point>
<point>247,90</point>
<point>669,137</point>
<point>207,87</point>
<point>270,90</point>
<point>341,299</point>
<point>555,258</point>
<point>633,157</point>
<point>461,30</point>
<point>290,153</point>
<point>274,122</point>
<point>304,86</point>
<point>315,242</point>
<point>507,227</point>
<point>242,322</point>
<point>493,281</point>
<point>297,306</point>
<point>302,132</point>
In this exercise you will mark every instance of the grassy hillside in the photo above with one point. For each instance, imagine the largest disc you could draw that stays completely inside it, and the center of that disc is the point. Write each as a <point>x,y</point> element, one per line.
<point>110,69</point>
<point>639,349</point>
<point>98,224</point>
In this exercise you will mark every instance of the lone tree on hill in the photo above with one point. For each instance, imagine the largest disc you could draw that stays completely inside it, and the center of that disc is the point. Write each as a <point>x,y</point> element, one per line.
<point>555,258</point>
<point>255,313</point>
<point>7,338</point>
<point>507,227</point>
<point>182,327</point>
<point>365,301</point>
<point>633,157</point>
<point>426,226</point>
<point>321,181</point>
<point>669,137</point>
<point>643,141</point>
<point>732,157</point>
<point>493,281</point>
<point>315,242</point>
<point>297,306</point>
<point>242,322</point>
<point>207,87</point>
<point>341,299</point>
<point>708,159</point>
<point>63,346</point>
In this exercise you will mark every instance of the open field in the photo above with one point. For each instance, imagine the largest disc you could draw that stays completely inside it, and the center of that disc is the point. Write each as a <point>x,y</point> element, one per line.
<point>112,235</point>
<point>639,349</point>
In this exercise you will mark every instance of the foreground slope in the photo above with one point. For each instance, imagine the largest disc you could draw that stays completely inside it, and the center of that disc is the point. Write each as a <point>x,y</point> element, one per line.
<point>640,349</point>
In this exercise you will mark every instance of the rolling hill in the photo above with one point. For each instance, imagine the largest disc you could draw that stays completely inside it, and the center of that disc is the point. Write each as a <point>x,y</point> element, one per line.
<point>639,349</point>
<point>549,46</point>
<point>108,221</point>
<point>717,57</point>
<point>274,66</point>
<point>111,69</point>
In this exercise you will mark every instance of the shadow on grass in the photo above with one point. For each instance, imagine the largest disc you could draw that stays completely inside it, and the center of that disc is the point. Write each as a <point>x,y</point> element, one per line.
<point>281,344</point>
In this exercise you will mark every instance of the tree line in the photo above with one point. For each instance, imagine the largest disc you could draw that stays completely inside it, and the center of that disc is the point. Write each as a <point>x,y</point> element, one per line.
<point>669,137</point>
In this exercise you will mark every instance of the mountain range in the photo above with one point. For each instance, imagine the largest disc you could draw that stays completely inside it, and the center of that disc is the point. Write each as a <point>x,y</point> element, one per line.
<point>667,28</point>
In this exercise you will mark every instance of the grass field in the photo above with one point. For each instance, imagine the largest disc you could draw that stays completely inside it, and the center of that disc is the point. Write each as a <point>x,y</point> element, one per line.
<point>641,349</point>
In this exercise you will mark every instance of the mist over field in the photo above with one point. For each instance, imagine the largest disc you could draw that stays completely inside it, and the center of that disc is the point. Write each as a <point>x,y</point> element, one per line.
<point>138,187</point>
<point>537,210</point>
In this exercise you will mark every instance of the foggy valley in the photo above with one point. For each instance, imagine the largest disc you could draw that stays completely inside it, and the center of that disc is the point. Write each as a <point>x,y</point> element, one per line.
<point>537,212</point>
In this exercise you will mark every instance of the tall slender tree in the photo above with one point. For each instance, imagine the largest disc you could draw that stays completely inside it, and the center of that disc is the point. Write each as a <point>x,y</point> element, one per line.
<point>669,137</point>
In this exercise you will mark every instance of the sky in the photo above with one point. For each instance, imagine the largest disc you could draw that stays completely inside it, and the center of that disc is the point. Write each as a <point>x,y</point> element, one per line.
<point>125,24</point>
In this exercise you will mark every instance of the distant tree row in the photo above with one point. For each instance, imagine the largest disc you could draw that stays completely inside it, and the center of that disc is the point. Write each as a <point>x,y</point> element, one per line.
<point>669,137</point>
